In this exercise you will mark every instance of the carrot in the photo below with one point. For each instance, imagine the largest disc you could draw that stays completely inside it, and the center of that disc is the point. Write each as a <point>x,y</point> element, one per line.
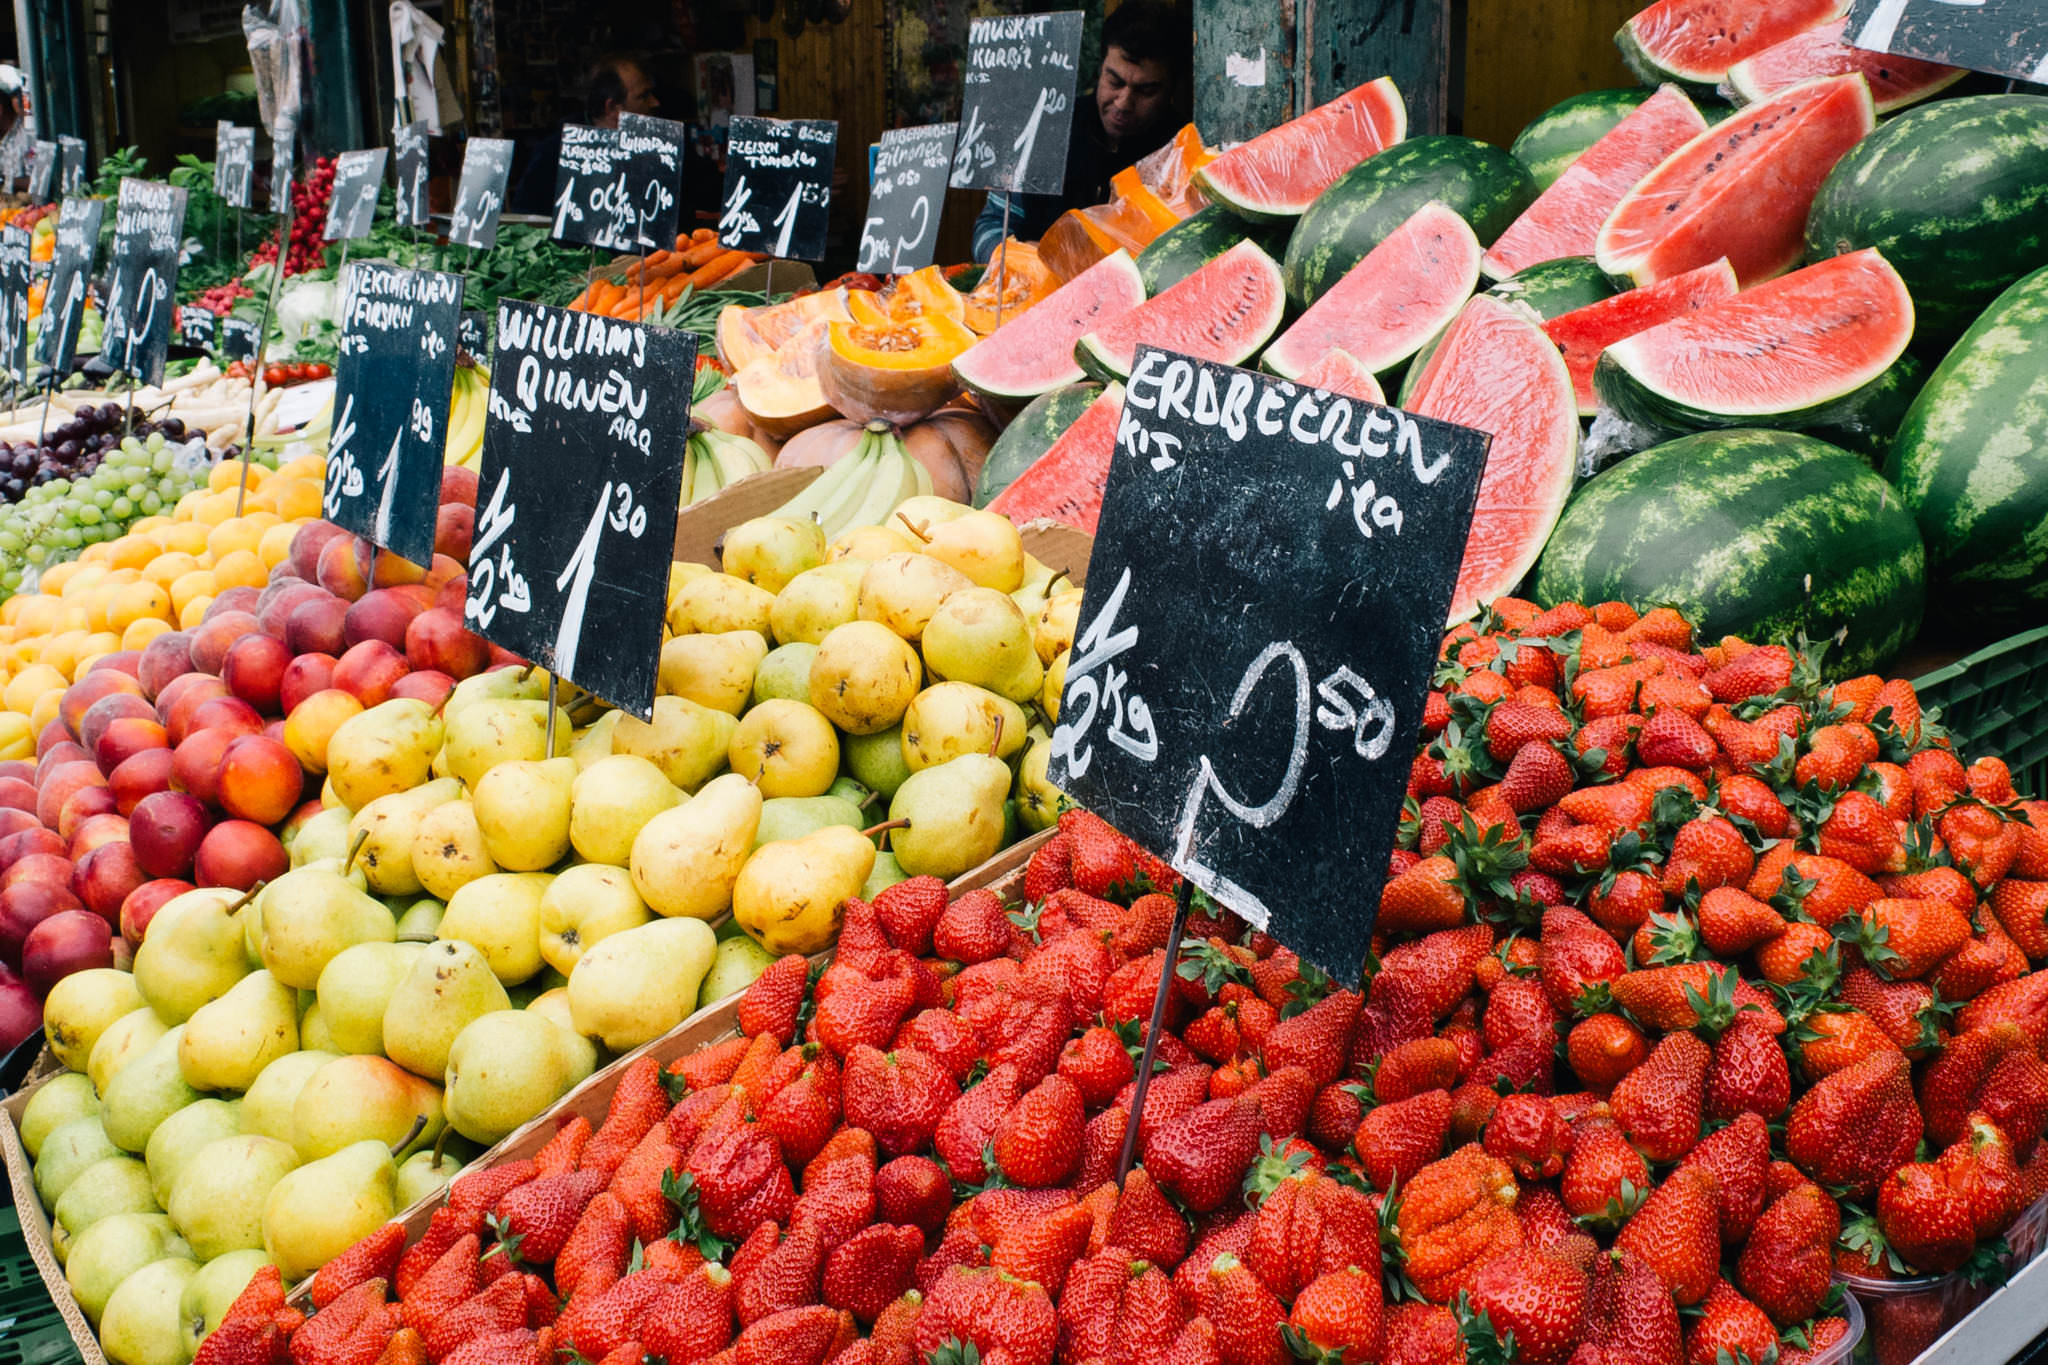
<point>701,254</point>
<point>670,268</point>
<point>603,294</point>
<point>672,288</point>
<point>581,302</point>
<point>726,263</point>
<point>656,264</point>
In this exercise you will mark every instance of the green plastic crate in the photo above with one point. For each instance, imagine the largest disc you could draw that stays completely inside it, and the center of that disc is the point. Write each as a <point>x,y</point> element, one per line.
<point>32,1332</point>
<point>1995,702</point>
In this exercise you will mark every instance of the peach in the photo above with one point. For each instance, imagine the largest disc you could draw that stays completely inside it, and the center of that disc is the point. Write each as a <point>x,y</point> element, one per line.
<point>53,868</point>
<point>217,635</point>
<point>106,877</point>
<point>166,657</point>
<point>307,544</point>
<point>93,831</point>
<point>254,670</point>
<point>274,729</point>
<point>417,595</point>
<point>23,907</point>
<point>240,598</point>
<point>79,697</point>
<point>18,767</point>
<point>315,627</point>
<point>436,639</point>
<point>428,685</point>
<point>139,775</point>
<point>59,754</point>
<point>68,941</point>
<point>15,794</point>
<point>21,1014</point>
<point>127,737</point>
<point>195,767</point>
<point>296,821</point>
<point>127,661</point>
<point>368,671</point>
<point>228,713</point>
<point>240,854</point>
<point>181,699</point>
<point>274,609</point>
<point>389,570</point>
<point>143,903</point>
<point>454,593</point>
<point>65,781</point>
<point>260,780</point>
<point>107,710</point>
<point>444,571</point>
<point>313,722</point>
<point>14,821</point>
<point>454,527</point>
<point>53,732</point>
<point>303,676</point>
<point>381,614</point>
<point>458,485</point>
<point>166,828</point>
<point>24,843</point>
<point>85,803</point>
<point>342,569</point>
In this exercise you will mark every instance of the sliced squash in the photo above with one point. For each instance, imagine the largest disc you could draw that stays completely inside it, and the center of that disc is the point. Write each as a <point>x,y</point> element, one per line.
<point>1018,277</point>
<point>781,391</point>
<point>745,334</point>
<point>923,293</point>
<point>895,372</point>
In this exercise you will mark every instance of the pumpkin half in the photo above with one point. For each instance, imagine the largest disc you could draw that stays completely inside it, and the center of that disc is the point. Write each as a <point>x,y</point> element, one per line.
<point>923,293</point>
<point>1016,278</point>
<point>744,334</point>
<point>893,372</point>
<point>780,391</point>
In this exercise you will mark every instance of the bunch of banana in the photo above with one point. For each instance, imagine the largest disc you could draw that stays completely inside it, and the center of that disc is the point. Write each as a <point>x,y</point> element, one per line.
<point>466,410</point>
<point>862,487</point>
<point>715,458</point>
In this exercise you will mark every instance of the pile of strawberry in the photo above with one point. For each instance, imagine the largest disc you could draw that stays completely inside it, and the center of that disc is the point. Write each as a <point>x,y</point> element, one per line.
<point>1695,982</point>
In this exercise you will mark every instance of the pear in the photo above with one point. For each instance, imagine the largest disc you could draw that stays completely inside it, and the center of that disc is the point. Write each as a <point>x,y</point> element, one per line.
<point>323,836</point>
<point>193,952</point>
<point>229,1041</point>
<point>1053,631</point>
<point>124,1040</point>
<point>500,916</point>
<point>509,1067</point>
<point>585,905</point>
<point>355,1098</point>
<point>554,1004</point>
<point>887,873</point>
<point>146,1092</point>
<point>181,1137</point>
<point>325,1207</point>
<point>719,602</point>
<point>421,921</point>
<point>500,731</point>
<point>734,967</point>
<point>314,1035</point>
<point>522,807</point>
<point>904,592</point>
<point>789,895</point>
<point>785,673</point>
<point>68,1150</point>
<point>423,1175</point>
<point>869,543</point>
<point>218,1199</point>
<point>1039,802</point>
<point>500,684</point>
<point>267,1107</point>
<point>210,1293</point>
<point>56,1102</point>
<point>111,1185</point>
<point>81,1006</point>
<point>955,815</point>
<point>864,677</point>
<point>636,985</point>
<point>594,741</point>
<point>251,913</point>
<point>769,551</point>
<point>114,1248</point>
<point>356,987</point>
<point>609,802</point>
<point>1055,686</point>
<point>792,817</point>
<point>686,741</point>
<point>950,719</point>
<point>309,915</point>
<point>448,849</point>
<point>382,834</point>
<point>817,600</point>
<point>140,1323</point>
<point>449,986</point>
<point>876,760</point>
<point>979,636</point>
<point>982,545</point>
<point>686,859</point>
<point>388,748</point>
<point>786,748</point>
<point>713,670</point>
<point>926,511</point>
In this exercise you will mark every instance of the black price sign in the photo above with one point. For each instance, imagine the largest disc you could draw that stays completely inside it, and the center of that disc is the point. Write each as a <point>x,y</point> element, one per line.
<point>42,172</point>
<point>472,333</point>
<point>1017,102</point>
<point>199,326</point>
<point>901,233</point>
<point>239,338</point>
<point>2004,37</point>
<point>1264,753</point>
<point>352,210</point>
<point>480,195</point>
<point>594,201</point>
<point>149,221</point>
<point>234,164</point>
<point>283,166</point>
<point>576,500</point>
<point>410,153</point>
<point>78,241</point>
<point>14,280</point>
<point>391,389</point>
<point>71,153</point>
<point>654,175</point>
<point>778,186</point>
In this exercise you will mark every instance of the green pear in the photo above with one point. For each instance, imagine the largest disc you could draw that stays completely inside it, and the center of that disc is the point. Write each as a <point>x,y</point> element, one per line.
<point>950,719</point>
<point>57,1101</point>
<point>609,802</point>
<point>500,916</point>
<point>500,684</point>
<point>229,1041</point>
<point>81,1006</point>
<point>179,1138</point>
<point>218,1199</point>
<point>686,741</point>
<point>864,676</point>
<point>980,636</point>
<point>792,817</point>
<point>955,815</point>
<point>522,807</point>
<point>355,988</point>
<point>734,966</point>
<point>421,920</point>
<point>146,1092</point>
<point>124,1040</point>
<point>636,985</point>
<point>193,952</point>
<point>506,1068</point>
<point>713,670</point>
<point>585,905</point>
<point>357,1098</point>
<point>786,673</point>
<point>790,895</point>
<point>209,1294</point>
<point>449,985</point>
<point>424,1175</point>
<point>323,1208</point>
<point>314,1035</point>
<point>114,1248</point>
<point>887,873</point>
<point>815,601</point>
<point>448,849</point>
<point>323,836</point>
<point>1039,802</point>
<point>111,1185</point>
<point>501,731</point>
<point>251,913</point>
<point>594,741</point>
<point>686,859</point>
<point>141,1323</point>
<point>770,551</point>
<point>69,1149</point>
<point>382,834</point>
<point>309,915</point>
<point>388,748</point>
<point>876,760</point>
<point>267,1107</point>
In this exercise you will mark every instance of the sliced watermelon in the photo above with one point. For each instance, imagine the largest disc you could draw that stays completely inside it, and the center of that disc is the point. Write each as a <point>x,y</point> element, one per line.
<point>1781,354</point>
<point>1895,82</point>
<point>1033,352</point>
<point>1565,219</point>
<point>1495,371</point>
<point>1381,310</point>
<point>1741,190</point>
<point>1342,372</point>
<point>1584,333</point>
<point>1696,41</point>
<point>1223,312</point>
<point>1065,484</point>
<point>1277,173</point>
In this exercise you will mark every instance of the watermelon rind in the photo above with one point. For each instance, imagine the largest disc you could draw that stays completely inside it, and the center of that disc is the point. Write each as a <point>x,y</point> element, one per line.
<point>1033,352</point>
<point>1554,139</point>
<point>1184,319</point>
<point>1274,176</point>
<point>1764,534</point>
<point>1653,64</point>
<point>1955,194</point>
<point>1584,334</point>
<point>1029,435</point>
<point>1866,420</point>
<point>1196,240</point>
<point>1483,184</point>
<point>1554,288</point>
<point>1971,461</point>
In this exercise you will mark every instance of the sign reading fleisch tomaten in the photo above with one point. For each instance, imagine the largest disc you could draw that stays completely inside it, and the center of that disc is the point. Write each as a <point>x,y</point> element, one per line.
<point>901,233</point>
<point>1017,102</point>
<point>78,241</point>
<point>778,186</point>
<point>480,194</point>
<point>149,224</point>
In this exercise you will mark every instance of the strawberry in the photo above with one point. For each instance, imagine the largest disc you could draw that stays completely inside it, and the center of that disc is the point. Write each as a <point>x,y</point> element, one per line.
<point>1043,1251</point>
<point>1983,840</point>
<point>872,1269</point>
<point>771,1004</point>
<point>1658,1104</point>
<point>1603,1048</point>
<point>691,1318</point>
<point>1145,1224</point>
<point>1787,1263</point>
<point>248,1341</point>
<point>800,1336</point>
<point>1748,1073</point>
<point>1526,1132</point>
<point>639,1184</point>
<point>1902,1010</point>
<point>804,1113</point>
<point>1906,939</point>
<point>910,910</point>
<point>596,1252</point>
<point>1814,1342</point>
<point>897,1096</point>
<point>375,1257</point>
<point>974,928</point>
<point>1414,1067</point>
<point>1334,1114</point>
<point>1676,1234</point>
<point>1758,673</point>
<point>1738,1157</point>
<point>1305,1225</point>
<point>513,1346</point>
<point>1539,1299</point>
<point>991,1311</point>
<point>536,1219</point>
<point>1037,1143</point>
<point>451,1279</point>
<point>565,1149</point>
<point>473,1193</point>
<point>1732,922</point>
<point>970,1122</point>
<point>1202,1155</point>
<point>1101,857</point>
<point>1670,738</point>
<point>863,1015</point>
<point>1318,1040</point>
<point>1098,1064</point>
<point>740,1180</point>
<point>1979,1167</point>
<point>1426,897</point>
<point>1729,1328</point>
<point>1924,1219</point>
<point>784,1275</point>
<point>1855,1125</point>
<point>1423,1334</point>
<point>500,1308</point>
<point>1990,1069</point>
<point>1665,999</point>
<point>595,1326</point>
<point>1604,1178</point>
<point>1245,1314</point>
<point>1573,955</point>
<point>2023,1003</point>
<point>1454,1216</point>
<point>327,1334</point>
<point>1629,1313</point>
<point>1834,1038</point>
<point>913,1190</point>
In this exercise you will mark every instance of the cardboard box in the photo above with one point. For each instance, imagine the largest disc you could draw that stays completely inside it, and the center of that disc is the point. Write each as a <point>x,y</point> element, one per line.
<point>35,1225</point>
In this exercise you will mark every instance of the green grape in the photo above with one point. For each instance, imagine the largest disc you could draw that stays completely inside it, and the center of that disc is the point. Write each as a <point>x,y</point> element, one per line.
<point>36,553</point>
<point>90,514</point>
<point>151,503</point>
<point>124,507</point>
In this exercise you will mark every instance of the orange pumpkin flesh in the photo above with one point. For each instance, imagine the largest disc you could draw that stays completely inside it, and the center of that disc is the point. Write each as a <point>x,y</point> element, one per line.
<point>745,334</point>
<point>781,391</point>
<point>894,372</point>
<point>1016,275</point>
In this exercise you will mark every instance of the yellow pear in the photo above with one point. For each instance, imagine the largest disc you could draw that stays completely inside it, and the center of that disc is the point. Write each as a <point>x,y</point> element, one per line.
<point>686,859</point>
<point>499,915</point>
<point>554,1004</point>
<point>354,1098</point>
<point>685,740</point>
<point>785,748</point>
<point>423,1175</point>
<point>448,849</point>
<point>115,1184</point>
<point>115,1248</point>
<point>193,952</point>
<point>980,636</point>
<point>323,1208</point>
<point>507,1068</point>
<point>736,965</point>
<point>713,670</point>
<point>1053,631</point>
<point>123,1041</point>
<point>1055,686</point>
<point>864,676</point>
<point>952,719</point>
<point>139,1325</point>
<point>82,1006</point>
<point>769,551</point>
<point>314,1035</point>
<point>62,1098</point>
<point>218,1199</point>
<point>955,815</point>
<point>522,808</point>
<point>635,985</point>
<point>323,836</point>
<point>500,730</point>
<point>500,684</point>
<point>181,1137</point>
<point>786,672</point>
<point>816,600</point>
<point>448,986</point>
<point>903,592</point>
<point>611,799</point>
<point>1039,802</point>
<point>355,988</point>
<point>309,915</point>
<point>266,1108</point>
<point>210,1293</point>
<point>144,1093</point>
<point>926,511</point>
<point>869,543</point>
<point>585,905</point>
<point>594,741</point>
<point>982,545</point>
<point>69,1151</point>
<point>719,602</point>
<point>388,748</point>
<point>386,828</point>
<point>227,1042</point>
<point>789,895</point>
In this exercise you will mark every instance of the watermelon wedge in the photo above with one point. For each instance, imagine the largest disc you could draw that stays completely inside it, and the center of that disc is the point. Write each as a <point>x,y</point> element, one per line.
<point>1065,484</point>
<point>1895,82</point>
<point>1565,219</point>
<point>1585,332</point>
<point>1223,312</point>
<point>1496,371</point>
<point>1033,352</point>
<point>1783,354</point>
<point>1381,310</point>
<point>1277,173</point>
<point>1741,190</point>
<point>1696,41</point>
<point>1342,372</point>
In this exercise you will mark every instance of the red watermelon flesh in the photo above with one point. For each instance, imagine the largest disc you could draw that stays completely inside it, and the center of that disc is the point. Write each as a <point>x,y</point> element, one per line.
<point>1278,173</point>
<point>1698,40</point>
<point>1065,484</point>
<point>1495,371</point>
<point>1342,372</point>
<point>1740,190</point>
<point>1033,352</point>
<point>1895,82</point>
<point>1584,333</point>
<point>1224,312</point>
<point>1403,293</point>
<point>1565,220</point>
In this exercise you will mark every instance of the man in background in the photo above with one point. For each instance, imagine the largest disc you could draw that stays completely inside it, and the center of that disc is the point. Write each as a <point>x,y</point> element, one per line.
<point>17,128</point>
<point>617,84</point>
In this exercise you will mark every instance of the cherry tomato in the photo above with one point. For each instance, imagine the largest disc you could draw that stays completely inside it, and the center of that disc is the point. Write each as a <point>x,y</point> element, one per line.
<point>275,376</point>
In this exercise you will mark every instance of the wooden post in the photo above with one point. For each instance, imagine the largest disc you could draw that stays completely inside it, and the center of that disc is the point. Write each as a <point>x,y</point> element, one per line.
<point>1245,68</point>
<point>1345,43</point>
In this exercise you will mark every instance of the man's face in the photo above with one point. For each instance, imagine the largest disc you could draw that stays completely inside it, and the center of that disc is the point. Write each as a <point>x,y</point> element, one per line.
<point>1128,94</point>
<point>640,96</point>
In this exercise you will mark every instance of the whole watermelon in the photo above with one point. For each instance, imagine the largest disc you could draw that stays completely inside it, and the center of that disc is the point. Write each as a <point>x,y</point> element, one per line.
<point>1955,194</point>
<point>1029,435</point>
<point>1971,461</point>
<point>1482,183</point>
<point>1762,534</point>
<point>1196,240</point>
<point>1554,288</point>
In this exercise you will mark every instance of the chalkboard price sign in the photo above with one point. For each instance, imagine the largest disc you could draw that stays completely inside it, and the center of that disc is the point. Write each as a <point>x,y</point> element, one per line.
<point>576,499</point>
<point>778,186</point>
<point>149,222</point>
<point>14,280</point>
<point>397,363</point>
<point>78,240</point>
<point>71,151</point>
<point>239,338</point>
<point>199,326</point>
<point>653,149</point>
<point>1264,750</point>
<point>283,166</point>
<point>410,154</point>
<point>594,200</point>
<point>480,194</point>
<point>42,171</point>
<point>2004,37</point>
<point>234,164</point>
<point>352,210</point>
<point>901,233</point>
<point>472,334</point>
<point>1017,102</point>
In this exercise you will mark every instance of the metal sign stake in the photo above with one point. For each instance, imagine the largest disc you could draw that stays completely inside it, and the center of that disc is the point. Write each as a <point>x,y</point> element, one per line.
<point>1181,905</point>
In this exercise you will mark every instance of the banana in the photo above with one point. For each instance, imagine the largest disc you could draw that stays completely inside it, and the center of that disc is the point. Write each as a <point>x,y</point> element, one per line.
<point>826,486</point>
<point>685,492</point>
<point>924,477</point>
<point>893,481</point>
<point>707,481</point>
<point>737,456</point>
<point>835,516</point>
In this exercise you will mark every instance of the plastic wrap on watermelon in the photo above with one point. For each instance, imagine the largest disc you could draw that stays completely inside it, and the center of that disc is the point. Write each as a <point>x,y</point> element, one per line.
<point>1146,199</point>
<point>1611,438</point>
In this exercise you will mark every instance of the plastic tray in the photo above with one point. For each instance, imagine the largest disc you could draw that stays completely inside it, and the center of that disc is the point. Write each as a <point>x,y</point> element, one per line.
<point>1996,702</point>
<point>32,1332</point>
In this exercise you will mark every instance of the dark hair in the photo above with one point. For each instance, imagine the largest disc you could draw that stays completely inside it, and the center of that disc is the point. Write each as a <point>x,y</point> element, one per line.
<point>604,85</point>
<point>1149,31</point>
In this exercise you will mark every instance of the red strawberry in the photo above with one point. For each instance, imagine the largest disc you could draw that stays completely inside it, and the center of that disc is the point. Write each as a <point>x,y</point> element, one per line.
<point>1145,1224</point>
<point>800,1336</point>
<point>1603,1048</point>
<point>1990,1069</point>
<point>771,1004</point>
<point>1049,870</point>
<point>897,1096</point>
<point>1318,1040</point>
<point>1540,1299</point>
<point>1604,1178</point>
<point>970,1123</point>
<point>1728,1328</point>
<point>1787,1263</point>
<point>1526,1132</point>
<point>375,1257</point>
<point>451,1280</point>
<point>500,1308</point>
<point>1043,1251</point>
<point>1748,1073</point>
<point>1855,1125</point>
<point>783,1276</point>
<point>1456,1215</point>
<point>1675,1233</point>
<point>1924,1219</point>
<point>1574,954</point>
<point>740,1180</point>
<point>327,1334</point>
<point>639,1184</point>
<point>594,1327</point>
<point>991,1311</point>
<point>1658,1104</point>
<point>871,1269</point>
<point>1038,1141</point>
<point>1244,1313</point>
<point>974,928</point>
<point>909,911</point>
<point>913,1190</point>
<point>1339,1316</point>
<point>1202,1155</point>
<point>1980,1168</point>
<point>1423,1334</point>
<point>1098,1064</point>
<point>691,1319</point>
<point>1629,1313</point>
<point>595,1255</point>
<point>1738,1157</point>
<point>2023,1002</point>
<point>1672,739</point>
<point>1394,1141</point>
<point>537,1218</point>
<point>1101,857</point>
<point>866,1014</point>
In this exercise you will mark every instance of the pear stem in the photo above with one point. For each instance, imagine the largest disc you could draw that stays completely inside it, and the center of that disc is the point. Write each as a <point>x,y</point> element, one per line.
<point>883,830</point>
<point>363,837</point>
<point>527,672</point>
<point>997,743</point>
<point>441,1142</point>
<point>915,528</point>
<point>419,1121</point>
<point>247,896</point>
<point>440,705</point>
